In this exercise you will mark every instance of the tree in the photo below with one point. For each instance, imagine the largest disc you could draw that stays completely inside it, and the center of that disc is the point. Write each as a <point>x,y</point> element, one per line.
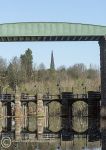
<point>26,64</point>
<point>3,65</point>
<point>77,71</point>
<point>41,66</point>
<point>92,72</point>
<point>3,71</point>
<point>14,72</point>
<point>61,73</point>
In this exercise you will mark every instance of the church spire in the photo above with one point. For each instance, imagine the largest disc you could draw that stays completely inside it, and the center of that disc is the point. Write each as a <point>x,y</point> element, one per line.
<point>52,65</point>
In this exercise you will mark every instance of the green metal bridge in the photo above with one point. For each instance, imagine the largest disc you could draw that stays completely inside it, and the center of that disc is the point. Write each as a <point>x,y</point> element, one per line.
<point>50,31</point>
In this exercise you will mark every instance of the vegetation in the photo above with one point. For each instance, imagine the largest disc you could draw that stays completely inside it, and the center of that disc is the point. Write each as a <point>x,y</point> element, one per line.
<point>21,71</point>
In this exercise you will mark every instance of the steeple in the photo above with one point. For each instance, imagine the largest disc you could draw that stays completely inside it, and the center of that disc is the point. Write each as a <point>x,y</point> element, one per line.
<point>52,65</point>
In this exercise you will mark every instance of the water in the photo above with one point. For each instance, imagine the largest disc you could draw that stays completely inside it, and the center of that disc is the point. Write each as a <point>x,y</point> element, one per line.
<point>84,135</point>
<point>61,132</point>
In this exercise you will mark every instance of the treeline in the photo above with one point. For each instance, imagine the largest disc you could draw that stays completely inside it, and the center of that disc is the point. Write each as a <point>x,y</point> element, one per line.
<point>21,72</point>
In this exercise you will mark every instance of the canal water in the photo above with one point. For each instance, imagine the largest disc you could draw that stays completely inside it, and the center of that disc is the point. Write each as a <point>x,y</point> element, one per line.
<point>78,132</point>
<point>79,139</point>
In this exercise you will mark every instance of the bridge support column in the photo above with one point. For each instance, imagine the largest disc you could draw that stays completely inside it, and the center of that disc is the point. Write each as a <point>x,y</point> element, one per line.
<point>45,116</point>
<point>4,122</point>
<point>9,114</point>
<point>67,100</point>
<point>18,118</point>
<point>102,44</point>
<point>93,116</point>
<point>24,110</point>
<point>94,104</point>
<point>40,116</point>
<point>1,115</point>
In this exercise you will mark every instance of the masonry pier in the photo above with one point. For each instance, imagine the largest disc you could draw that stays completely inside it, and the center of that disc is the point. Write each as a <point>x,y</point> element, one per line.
<point>18,117</point>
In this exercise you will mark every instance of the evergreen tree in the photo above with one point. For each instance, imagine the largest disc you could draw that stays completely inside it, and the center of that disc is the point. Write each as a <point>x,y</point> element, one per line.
<point>26,64</point>
<point>14,72</point>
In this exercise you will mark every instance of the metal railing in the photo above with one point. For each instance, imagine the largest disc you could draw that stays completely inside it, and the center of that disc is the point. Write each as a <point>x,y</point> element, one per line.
<point>79,96</point>
<point>7,97</point>
<point>51,97</point>
<point>50,136</point>
<point>27,97</point>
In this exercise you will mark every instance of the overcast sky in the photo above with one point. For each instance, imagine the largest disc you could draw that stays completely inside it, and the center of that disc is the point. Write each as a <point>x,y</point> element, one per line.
<point>65,53</point>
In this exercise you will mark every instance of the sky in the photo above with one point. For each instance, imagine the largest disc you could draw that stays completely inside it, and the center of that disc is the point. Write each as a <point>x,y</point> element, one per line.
<point>73,11</point>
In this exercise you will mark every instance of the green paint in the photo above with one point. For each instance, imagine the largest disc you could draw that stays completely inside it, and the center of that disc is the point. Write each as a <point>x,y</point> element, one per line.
<point>51,29</point>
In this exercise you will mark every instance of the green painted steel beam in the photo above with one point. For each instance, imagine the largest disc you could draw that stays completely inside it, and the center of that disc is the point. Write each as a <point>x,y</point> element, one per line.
<point>31,29</point>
